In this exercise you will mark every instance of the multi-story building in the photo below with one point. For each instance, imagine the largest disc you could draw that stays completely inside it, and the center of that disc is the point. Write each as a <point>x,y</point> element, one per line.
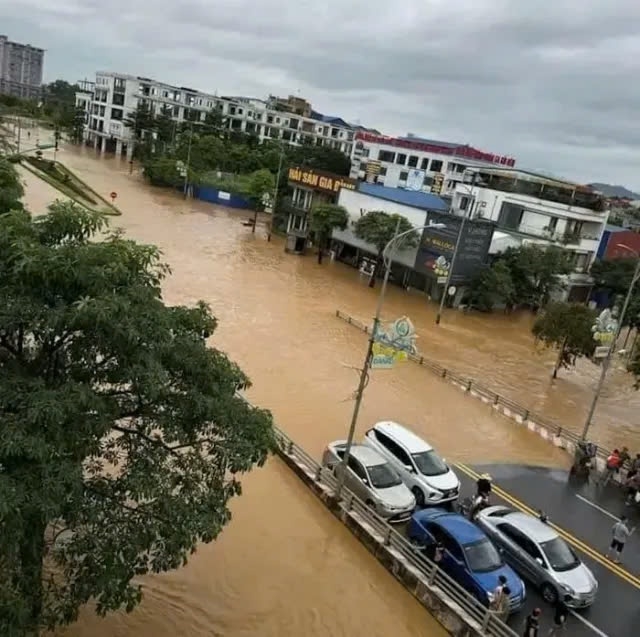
<point>533,208</point>
<point>115,97</point>
<point>416,163</point>
<point>21,67</point>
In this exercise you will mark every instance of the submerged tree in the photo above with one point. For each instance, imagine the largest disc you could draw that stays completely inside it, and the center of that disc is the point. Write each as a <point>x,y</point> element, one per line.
<point>122,432</point>
<point>11,189</point>
<point>378,228</point>
<point>325,218</point>
<point>568,328</point>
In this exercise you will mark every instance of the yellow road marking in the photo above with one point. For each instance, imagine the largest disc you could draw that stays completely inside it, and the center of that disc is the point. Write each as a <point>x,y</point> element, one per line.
<point>571,539</point>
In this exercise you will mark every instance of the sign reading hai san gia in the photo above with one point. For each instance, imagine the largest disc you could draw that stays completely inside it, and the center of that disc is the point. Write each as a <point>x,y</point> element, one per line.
<point>320,180</point>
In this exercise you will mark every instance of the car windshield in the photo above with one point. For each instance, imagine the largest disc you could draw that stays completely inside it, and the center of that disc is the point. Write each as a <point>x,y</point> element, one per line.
<point>429,463</point>
<point>383,476</point>
<point>559,554</point>
<point>482,556</point>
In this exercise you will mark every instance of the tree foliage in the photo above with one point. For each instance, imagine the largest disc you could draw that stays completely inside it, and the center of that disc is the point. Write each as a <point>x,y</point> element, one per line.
<point>11,189</point>
<point>123,435</point>
<point>378,228</point>
<point>325,218</point>
<point>260,183</point>
<point>492,286</point>
<point>568,328</point>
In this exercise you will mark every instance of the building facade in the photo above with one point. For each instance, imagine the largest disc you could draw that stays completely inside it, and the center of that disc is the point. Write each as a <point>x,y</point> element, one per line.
<point>416,163</point>
<point>114,98</point>
<point>21,69</point>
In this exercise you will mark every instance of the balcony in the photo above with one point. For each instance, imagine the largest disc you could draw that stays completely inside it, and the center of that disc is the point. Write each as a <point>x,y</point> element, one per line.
<point>564,238</point>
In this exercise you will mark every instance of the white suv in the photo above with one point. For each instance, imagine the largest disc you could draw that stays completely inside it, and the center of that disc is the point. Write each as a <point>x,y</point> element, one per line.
<point>428,476</point>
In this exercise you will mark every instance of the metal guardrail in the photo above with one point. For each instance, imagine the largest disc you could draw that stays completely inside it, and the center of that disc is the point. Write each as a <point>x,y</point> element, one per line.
<point>471,385</point>
<point>423,568</point>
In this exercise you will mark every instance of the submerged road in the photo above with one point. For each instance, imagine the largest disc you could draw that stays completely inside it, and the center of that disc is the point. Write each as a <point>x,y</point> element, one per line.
<point>584,516</point>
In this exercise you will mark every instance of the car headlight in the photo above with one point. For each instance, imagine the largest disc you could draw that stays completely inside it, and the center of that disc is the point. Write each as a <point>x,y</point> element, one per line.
<point>569,591</point>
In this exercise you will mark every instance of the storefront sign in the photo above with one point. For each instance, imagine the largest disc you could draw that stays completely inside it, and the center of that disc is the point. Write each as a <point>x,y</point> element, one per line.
<point>320,180</point>
<point>438,245</point>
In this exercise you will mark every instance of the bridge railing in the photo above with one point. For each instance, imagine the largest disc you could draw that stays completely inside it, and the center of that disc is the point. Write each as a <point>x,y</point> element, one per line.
<point>414,559</point>
<point>551,430</point>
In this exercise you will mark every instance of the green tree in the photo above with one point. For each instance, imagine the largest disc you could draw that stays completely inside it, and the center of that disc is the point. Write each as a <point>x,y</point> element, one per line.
<point>11,189</point>
<point>492,286</point>
<point>325,218</point>
<point>260,183</point>
<point>122,433</point>
<point>140,121</point>
<point>215,123</point>
<point>536,272</point>
<point>568,328</point>
<point>613,275</point>
<point>76,127</point>
<point>378,228</point>
<point>165,127</point>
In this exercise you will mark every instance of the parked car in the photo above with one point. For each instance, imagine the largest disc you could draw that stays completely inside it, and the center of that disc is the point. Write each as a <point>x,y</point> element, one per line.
<point>540,555</point>
<point>372,479</point>
<point>469,556</point>
<point>428,476</point>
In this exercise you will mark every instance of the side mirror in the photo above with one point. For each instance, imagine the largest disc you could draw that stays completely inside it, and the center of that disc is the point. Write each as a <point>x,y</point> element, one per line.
<point>409,468</point>
<point>539,560</point>
<point>365,482</point>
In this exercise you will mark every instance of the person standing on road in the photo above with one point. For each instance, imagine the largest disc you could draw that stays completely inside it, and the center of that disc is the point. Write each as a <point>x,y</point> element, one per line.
<point>560,615</point>
<point>532,623</point>
<point>620,534</point>
<point>614,463</point>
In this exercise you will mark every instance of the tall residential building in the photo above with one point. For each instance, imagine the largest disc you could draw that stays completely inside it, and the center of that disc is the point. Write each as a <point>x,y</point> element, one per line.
<point>21,67</point>
<point>114,97</point>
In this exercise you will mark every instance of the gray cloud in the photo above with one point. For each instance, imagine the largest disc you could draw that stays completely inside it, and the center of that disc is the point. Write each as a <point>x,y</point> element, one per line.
<point>552,82</point>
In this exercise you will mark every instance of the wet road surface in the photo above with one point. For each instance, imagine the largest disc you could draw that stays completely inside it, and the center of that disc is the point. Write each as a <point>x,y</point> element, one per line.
<point>586,515</point>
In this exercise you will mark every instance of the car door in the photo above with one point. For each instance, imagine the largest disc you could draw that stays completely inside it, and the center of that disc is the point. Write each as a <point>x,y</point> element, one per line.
<point>357,480</point>
<point>398,457</point>
<point>453,562</point>
<point>520,552</point>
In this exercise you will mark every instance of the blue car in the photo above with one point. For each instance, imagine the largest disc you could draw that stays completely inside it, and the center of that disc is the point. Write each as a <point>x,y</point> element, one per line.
<point>469,556</point>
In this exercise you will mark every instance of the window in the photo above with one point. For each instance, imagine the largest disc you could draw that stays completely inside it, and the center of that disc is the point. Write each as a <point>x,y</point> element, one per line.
<point>510,216</point>
<point>116,113</point>
<point>357,468</point>
<point>464,202</point>
<point>401,159</point>
<point>428,181</point>
<point>429,463</point>
<point>118,99</point>
<point>413,161</point>
<point>552,225</point>
<point>403,175</point>
<point>424,163</point>
<point>382,476</point>
<point>482,556</point>
<point>383,171</point>
<point>440,535</point>
<point>559,554</point>
<point>436,165</point>
<point>393,447</point>
<point>521,540</point>
<point>386,155</point>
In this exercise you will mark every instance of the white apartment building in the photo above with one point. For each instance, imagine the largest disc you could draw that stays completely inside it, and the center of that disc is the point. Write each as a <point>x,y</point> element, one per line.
<point>21,67</point>
<point>115,97</point>
<point>532,208</point>
<point>416,163</point>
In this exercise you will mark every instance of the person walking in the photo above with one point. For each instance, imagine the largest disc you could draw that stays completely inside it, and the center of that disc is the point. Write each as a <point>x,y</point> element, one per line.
<point>614,462</point>
<point>620,534</point>
<point>502,604</point>
<point>532,623</point>
<point>560,615</point>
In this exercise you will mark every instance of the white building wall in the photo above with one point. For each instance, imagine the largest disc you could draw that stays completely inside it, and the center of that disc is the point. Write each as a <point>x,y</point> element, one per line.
<point>358,204</point>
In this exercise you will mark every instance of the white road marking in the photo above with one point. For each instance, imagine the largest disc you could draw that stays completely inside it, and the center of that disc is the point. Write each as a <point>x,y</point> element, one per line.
<point>588,624</point>
<point>595,506</point>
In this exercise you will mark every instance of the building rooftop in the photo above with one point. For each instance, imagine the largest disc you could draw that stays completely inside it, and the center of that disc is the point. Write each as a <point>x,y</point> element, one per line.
<point>410,137</point>
<point>415,199</point>
<point>531,175</point>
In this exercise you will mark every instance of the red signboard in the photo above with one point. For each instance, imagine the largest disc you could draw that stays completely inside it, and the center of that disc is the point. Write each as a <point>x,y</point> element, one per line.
<point>457,151</point>
<point>113,196</point>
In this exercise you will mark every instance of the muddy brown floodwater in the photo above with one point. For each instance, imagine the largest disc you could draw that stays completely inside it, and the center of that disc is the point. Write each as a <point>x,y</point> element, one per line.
<point>284,566</point>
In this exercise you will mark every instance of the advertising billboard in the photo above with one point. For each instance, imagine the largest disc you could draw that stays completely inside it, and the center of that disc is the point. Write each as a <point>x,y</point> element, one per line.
<point>415,179</point>
<point>320,180</point>
<point>438,244</point>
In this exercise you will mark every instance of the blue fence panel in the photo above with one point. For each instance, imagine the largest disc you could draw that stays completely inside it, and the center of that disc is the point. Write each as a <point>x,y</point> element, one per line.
<point>220,197</point>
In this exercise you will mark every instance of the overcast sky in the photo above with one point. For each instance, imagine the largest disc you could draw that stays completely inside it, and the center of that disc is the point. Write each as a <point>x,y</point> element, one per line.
<point>555,83</point>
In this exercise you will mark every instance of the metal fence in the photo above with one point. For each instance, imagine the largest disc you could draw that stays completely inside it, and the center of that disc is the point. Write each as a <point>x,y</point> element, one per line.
<point>414,559</point>
<point>489,396</point>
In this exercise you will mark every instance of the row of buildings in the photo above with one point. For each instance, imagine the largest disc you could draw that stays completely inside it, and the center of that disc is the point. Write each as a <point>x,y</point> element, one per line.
<point>410,174</point>
<point>21,68</point>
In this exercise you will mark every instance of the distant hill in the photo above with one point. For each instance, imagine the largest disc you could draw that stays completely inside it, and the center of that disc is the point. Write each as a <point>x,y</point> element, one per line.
<point>615,191</point>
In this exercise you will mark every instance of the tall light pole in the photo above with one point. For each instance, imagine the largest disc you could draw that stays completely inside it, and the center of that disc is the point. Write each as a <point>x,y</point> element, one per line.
<point>607,360</point>
<point>364,373</point>
<point>186,174</point>
<point>463,223</point>
<point>275,193</point>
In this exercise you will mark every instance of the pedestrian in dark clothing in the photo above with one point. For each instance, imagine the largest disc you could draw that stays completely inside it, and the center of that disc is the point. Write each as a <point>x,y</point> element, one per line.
<point>532,623</point>
<point>560,615</point>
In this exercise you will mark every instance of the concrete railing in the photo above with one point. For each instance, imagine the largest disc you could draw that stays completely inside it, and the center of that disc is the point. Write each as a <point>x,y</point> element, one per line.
<point>461,614</point>
<point>553,432</point>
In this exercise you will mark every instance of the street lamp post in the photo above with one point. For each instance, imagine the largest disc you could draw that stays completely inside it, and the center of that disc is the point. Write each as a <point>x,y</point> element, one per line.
<point>186,174</point>
<point>275,193</point>
<point>463,223</point>
<point>364,373</point>
<point>607,360</point>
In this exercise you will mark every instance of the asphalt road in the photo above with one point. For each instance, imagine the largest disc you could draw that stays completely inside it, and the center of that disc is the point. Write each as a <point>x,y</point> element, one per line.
<point>584,514</point>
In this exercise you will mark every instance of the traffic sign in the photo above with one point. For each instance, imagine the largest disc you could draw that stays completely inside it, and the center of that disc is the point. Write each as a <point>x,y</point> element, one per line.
<point>113,195</point>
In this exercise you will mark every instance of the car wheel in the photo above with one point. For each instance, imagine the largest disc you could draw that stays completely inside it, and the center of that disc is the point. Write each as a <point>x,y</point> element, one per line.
<point>549,593</point>
<point>419,496</point>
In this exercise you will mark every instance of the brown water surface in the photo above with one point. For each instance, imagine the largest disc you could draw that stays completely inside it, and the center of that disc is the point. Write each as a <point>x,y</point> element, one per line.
<point>284,566</point>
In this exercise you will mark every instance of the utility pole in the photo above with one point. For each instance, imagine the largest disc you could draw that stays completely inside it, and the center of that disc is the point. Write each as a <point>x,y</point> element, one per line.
<point>275,193</point>
<point>186,174</point>
<point>19,132</point>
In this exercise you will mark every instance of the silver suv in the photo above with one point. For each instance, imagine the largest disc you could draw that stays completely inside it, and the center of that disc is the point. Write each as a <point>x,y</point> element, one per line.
<point>372,479</point>
<point>540,555</point>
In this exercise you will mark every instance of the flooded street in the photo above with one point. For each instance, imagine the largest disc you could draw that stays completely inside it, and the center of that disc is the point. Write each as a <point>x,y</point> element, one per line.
<point>284,566</point>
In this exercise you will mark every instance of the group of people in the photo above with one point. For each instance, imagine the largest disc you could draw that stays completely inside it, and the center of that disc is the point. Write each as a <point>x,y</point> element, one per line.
<point>615,462</point>
<point>500,605</point>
